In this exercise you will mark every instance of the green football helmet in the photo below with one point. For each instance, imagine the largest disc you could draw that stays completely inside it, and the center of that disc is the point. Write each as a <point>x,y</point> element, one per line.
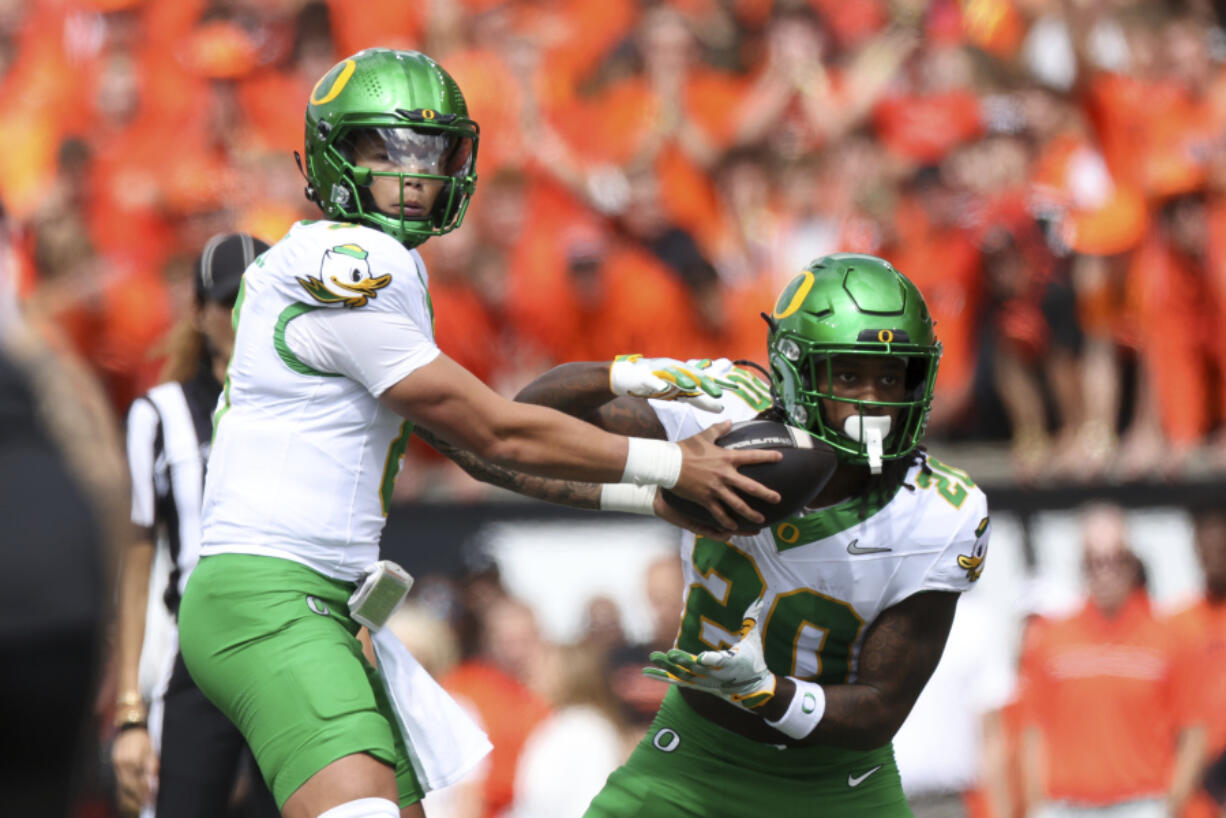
<point>404,103</point>
<point>849,304</point>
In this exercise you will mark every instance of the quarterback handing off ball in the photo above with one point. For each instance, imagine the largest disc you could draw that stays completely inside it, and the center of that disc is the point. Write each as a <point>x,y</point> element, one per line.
<point>806,467</point>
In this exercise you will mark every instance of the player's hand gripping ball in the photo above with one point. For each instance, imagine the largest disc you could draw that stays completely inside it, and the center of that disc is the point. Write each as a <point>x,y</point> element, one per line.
<point>804,470</point>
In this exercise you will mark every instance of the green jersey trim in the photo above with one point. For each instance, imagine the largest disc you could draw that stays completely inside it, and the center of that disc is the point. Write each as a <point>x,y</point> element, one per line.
<point>827,522</point>
<point>391,464</point>
<point>429,300</point>
<point>287,355</point>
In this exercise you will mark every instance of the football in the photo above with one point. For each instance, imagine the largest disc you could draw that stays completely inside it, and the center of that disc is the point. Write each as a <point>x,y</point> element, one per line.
<point>806,467</point>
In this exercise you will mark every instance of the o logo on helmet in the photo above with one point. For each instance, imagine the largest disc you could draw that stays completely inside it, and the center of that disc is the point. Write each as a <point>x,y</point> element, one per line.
<point>338,84</point>
<point>427,113</point>
<point>798,295</point>
<point>885,336</point>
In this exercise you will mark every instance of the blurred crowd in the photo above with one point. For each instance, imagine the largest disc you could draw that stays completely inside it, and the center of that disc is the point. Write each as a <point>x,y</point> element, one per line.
<point>1049,172</point>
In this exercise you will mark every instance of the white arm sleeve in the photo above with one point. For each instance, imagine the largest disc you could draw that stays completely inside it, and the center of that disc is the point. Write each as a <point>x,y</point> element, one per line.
<point>376,349</point>
<point>143,423</point>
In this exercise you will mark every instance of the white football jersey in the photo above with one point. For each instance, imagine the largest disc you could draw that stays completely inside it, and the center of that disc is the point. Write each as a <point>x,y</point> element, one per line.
<point>827,574</point>
<point>304,456</point>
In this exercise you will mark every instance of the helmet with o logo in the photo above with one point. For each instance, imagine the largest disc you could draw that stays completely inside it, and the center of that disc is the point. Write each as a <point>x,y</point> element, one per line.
<point>850,304</point>
<point>410,107</point>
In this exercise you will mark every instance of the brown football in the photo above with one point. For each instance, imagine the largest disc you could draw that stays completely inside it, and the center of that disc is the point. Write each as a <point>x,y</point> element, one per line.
<point>804,470</point>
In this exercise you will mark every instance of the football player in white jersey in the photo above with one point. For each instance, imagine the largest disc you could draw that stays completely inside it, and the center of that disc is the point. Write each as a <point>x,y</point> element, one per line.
<point>803,647</point>
<point>334,361</point>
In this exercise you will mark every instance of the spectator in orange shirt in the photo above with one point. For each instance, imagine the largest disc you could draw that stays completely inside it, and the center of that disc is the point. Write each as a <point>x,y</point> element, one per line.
<point>673,115</point>
<point>933,109</point>
<point>798,102</point>
<point>1201,632</point>
<point>495,680</point>
<point>939,254</point>
<point>1177,321</point>
<point>1106,734</point>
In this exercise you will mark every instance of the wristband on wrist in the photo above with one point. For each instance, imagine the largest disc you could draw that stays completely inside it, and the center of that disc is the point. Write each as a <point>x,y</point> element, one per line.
<point>651,462</point>
<point>806,709</point>
<point>628,497</point>
<point>130,699</point>
<point>130,717</point>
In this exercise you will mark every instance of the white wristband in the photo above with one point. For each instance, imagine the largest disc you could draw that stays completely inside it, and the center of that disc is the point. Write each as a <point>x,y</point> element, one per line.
<point>806,709</point>
<point>652,462</point>
<point>628,497</point>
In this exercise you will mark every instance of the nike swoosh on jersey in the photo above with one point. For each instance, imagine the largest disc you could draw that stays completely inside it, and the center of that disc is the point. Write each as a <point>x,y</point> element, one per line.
<point>857,780</point>
<point>854,547</point>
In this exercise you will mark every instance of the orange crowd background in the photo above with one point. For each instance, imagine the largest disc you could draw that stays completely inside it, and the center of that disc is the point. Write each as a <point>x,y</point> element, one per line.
<point>1050,174</point>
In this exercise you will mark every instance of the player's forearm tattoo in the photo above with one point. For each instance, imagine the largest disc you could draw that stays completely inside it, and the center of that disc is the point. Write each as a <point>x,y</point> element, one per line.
<point>563,492</point>
<point>898,657</point>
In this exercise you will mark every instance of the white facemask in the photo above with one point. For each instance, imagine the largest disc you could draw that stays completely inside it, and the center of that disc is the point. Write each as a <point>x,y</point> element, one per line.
<point>871,430</point>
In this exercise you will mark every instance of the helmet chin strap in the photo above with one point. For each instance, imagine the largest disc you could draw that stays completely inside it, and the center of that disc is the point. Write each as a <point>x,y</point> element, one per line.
<point>871,430</point>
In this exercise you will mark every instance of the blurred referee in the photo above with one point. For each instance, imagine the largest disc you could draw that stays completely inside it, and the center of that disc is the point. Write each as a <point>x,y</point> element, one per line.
<point>175,755</point>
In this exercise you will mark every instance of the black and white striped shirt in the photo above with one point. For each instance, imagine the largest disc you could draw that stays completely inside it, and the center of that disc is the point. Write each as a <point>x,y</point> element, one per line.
<point>169,429</point>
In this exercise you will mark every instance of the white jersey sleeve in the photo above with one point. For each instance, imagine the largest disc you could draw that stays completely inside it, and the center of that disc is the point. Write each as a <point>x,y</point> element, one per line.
<point>377,350</point>
<point>142,430</point>
<point>961,561</point>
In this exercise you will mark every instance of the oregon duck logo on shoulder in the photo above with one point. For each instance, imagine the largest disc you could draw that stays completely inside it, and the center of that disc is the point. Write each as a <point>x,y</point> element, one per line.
<point>972,563</point>
<point>345,277</point>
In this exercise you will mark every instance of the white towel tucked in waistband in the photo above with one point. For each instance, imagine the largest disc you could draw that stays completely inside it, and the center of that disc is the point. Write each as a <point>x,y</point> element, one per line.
<point>442,740</point>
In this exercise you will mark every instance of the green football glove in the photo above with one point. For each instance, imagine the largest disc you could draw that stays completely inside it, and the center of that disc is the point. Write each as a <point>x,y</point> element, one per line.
<point>737,674</point>
<point>664,379</point>
<point>731,378</point>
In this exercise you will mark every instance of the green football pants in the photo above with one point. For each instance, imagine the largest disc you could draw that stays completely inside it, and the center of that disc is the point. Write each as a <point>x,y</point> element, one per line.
<point>270,642</point>
<point>688,766</point>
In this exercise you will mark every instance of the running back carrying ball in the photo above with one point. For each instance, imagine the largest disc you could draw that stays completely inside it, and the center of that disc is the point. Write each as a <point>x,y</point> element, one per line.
<point>807,465</point>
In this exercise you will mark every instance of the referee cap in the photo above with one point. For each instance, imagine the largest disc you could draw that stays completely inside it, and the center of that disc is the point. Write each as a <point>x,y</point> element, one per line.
<point>219,269</point>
